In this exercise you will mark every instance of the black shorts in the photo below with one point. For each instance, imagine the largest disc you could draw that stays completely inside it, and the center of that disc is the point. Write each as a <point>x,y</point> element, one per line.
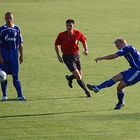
<point>72,61</point>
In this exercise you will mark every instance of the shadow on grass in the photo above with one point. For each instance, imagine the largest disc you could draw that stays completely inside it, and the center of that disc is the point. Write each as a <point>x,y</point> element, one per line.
<point>94,116</point>
<point>43,114</point>
<point>41,99</point>
<point>59,98</point>
<point>9,100</point>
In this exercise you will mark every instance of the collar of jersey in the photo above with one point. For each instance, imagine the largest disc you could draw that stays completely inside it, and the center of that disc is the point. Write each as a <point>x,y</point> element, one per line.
<point>124,46</point>
<point>9,27</point>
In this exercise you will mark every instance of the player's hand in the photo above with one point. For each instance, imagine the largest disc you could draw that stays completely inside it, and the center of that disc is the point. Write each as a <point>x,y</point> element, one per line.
<point>85,52</point>
<point>20,59</point>
<point>1,60</point>
<point>60,59</point>
<point>97,59</point>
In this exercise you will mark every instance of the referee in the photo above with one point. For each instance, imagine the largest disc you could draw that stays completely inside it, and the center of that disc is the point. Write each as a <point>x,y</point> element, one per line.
<point>68,42</point>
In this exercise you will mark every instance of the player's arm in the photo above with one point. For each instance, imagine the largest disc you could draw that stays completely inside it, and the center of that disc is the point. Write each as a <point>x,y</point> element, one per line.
<point>85,46</point>
<point>20,48</point>
<point>108,57</point>
<point>57,44</point>
<point>21,53</point>
<point>58,53</point>
<point>82,39</point>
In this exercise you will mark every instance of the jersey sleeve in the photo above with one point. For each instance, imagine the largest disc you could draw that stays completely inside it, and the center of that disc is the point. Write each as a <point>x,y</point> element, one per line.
<point>58,40</point>
<point>123,51</point>
<point>82,38</point>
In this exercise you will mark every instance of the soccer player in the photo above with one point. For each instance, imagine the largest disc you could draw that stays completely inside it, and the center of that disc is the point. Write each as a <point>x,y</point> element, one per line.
<point>68,41</point>
<point>11,44</point>
<point>126,78</point>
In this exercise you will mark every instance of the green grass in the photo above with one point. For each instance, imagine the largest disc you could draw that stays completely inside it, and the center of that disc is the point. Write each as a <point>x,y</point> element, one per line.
<point>53,111</point>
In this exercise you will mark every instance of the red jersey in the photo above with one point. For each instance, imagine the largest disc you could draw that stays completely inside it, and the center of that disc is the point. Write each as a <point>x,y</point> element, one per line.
<point>69,42</point>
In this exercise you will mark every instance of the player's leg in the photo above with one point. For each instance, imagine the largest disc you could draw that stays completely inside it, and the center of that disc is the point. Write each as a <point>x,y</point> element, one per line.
<point>4,90</point>
<point>16,82</point>
<point>4,67</point>
<point>81,83</point>
<point>105,84</point>
<point>17,85</point>
<point>80,80</point>
<point>130,77</point>
<point>120,94</point>
<point>70,80</point>
<point>18,88</point>
<point>69,63</point>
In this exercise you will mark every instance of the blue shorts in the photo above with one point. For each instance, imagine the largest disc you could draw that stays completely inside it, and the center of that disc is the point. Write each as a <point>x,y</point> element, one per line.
<point>131,76</point>
<point>10,67</point>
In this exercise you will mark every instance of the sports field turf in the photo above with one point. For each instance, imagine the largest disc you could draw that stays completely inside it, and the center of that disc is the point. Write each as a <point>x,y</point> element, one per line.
<point>53,111</point>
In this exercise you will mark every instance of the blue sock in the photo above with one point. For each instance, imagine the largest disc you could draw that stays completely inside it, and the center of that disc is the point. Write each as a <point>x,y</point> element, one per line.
<point>107,83</point>
<point>120,96</point>
<point>4,88</point>
<point>17,85</point>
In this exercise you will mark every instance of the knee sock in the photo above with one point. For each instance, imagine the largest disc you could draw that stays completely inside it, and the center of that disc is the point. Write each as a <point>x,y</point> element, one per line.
<point>17,85</point>
<point>4,88</point>
<point>120,96</point>
<point>107,83</point>
<point>82,85</point>
<point>71,77</point>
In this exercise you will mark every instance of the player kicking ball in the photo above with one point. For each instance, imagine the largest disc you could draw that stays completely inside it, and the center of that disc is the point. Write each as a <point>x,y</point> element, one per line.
<point>126,78</point>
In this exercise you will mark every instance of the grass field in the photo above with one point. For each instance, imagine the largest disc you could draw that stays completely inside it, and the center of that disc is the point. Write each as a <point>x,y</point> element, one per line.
<point>53,111</point>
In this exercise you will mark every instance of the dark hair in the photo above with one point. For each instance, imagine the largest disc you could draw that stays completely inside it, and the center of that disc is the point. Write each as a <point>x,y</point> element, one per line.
<point>69,21</point>
<point>8,13</point>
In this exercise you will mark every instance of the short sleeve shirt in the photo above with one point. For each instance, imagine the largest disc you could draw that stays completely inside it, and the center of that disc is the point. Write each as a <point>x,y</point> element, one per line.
<point>69,42</point>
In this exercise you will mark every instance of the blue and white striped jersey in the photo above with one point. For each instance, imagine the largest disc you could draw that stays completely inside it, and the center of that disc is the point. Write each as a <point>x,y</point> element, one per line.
<point>10,40</point>
<point>131,54</point>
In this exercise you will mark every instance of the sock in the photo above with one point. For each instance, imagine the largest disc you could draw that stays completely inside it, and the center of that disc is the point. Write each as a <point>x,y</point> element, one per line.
<point>107,83</point>
<point>82,85</point>
<point>17,85</point>
<point>4,88</point>
<point>120,96</point>
<point>71,77</point>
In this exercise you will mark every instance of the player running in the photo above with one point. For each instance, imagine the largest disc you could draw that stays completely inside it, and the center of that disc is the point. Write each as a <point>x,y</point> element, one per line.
<point>68,41</point>
<point>126,78</point>
<point>10,43</point>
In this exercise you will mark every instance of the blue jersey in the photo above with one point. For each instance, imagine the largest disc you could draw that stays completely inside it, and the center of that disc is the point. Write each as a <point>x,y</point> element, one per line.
<point>10,40</point>
<point>132,55</point>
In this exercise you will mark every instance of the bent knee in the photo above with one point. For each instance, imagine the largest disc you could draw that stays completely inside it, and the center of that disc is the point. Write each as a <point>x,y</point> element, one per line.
<point>121,86</point>
<point>117,78</point>
<point>77,75</point>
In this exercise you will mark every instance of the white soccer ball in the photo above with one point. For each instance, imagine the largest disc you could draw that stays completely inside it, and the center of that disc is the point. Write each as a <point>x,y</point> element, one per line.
<point>3,76</point>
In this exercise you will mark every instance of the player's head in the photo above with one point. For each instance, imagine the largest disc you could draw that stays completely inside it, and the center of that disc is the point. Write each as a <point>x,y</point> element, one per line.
<point>9,18</point>
<point>70,24</point>
<point>120,42</point>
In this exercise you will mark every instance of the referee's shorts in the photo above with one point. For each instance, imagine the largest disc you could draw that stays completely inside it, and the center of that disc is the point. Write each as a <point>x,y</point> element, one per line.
<point>72,61</point>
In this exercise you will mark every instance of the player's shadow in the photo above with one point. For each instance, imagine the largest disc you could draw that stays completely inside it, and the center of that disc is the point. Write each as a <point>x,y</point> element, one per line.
<point>97,117</point>
<point>12,99</point>
<point>43,114</point>
<point>59,98</point>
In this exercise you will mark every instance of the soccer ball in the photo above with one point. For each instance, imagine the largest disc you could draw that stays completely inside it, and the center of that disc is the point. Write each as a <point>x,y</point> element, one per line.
<point>3,76</point>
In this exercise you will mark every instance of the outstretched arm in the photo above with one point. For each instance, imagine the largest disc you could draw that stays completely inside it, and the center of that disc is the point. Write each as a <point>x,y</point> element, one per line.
<point>108,57</point>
